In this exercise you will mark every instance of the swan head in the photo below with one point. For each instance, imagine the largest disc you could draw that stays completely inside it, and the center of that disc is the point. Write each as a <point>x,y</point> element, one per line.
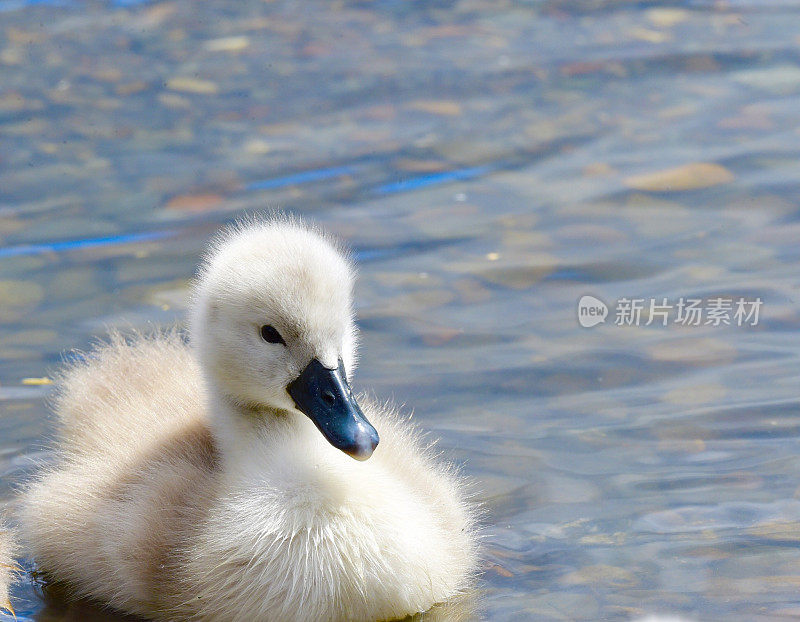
<point>272,323</point>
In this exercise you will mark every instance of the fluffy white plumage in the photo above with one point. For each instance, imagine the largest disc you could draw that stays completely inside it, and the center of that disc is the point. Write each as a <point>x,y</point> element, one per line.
<point>189,487</point>
<point>7,567</point>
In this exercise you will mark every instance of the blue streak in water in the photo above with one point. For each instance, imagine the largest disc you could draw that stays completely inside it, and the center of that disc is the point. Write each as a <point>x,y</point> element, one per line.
<point>300,178</point>
<point>423,181</point>
<point>15,5</point>
<point>569,274</point>
<point>371,254</point>
<point>68,245</point>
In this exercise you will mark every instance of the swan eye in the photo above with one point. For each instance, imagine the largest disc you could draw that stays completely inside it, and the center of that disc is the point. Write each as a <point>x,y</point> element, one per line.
<point>270,335</point>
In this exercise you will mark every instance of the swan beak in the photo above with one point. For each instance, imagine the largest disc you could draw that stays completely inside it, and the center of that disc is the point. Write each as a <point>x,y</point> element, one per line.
<point>325,397</point>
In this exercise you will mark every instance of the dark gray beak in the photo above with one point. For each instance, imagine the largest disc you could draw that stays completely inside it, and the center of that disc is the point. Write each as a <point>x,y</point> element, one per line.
<point>325,397</point>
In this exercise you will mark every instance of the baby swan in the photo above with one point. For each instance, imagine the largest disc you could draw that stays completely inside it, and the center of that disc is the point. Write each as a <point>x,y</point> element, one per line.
<point>216,481</point>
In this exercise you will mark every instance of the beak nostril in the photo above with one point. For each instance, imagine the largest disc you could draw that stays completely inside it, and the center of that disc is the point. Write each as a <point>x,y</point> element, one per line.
<point>325,397</point>
<point>328,397</point>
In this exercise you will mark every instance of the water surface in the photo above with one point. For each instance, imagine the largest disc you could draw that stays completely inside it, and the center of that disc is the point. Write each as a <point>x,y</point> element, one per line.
<point>490,163</point>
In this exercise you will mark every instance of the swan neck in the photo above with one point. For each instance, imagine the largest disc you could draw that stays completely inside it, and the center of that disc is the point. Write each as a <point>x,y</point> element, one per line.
<point>237,427</point>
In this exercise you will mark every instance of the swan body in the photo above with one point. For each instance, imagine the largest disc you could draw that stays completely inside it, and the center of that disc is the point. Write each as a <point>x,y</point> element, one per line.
<point>191,484</point>
<point>7,568</point>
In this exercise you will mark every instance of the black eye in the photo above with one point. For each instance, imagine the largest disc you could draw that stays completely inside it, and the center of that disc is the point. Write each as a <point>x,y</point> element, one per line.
<point>270,335</point>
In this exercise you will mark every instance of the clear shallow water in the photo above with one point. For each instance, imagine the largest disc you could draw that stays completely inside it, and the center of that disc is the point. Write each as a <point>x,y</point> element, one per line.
<point>489,164</point>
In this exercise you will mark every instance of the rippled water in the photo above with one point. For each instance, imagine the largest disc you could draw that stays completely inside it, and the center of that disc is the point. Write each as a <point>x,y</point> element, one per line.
<point>490,163</point>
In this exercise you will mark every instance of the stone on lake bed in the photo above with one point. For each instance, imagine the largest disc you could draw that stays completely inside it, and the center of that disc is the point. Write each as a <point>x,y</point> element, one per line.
<point>192,85</point>
<point>558,606</point>
<point>650,35</point>
<point>227,44</point>
<point>437,107</point>
<point>692,351</point>
<point>687,177</point>
<point>666,17</point>
<point>696,394</point>
<point>601,574</point>
<point>781,530</point>
<point>31,338</point>
<point>195,202</point>
<point>172,295</point>
<point>780,80</point>
<point>16,296</point>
